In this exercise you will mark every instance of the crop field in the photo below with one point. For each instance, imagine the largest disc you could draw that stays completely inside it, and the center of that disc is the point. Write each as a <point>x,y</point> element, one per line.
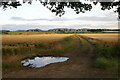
<point>110,38</point>
<point>111,31</point>
<point>37,38</point>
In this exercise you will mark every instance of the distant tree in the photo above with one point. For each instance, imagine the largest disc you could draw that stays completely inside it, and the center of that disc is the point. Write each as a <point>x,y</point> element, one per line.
<point>60,31</point>
<point>95,30</point>
<point>5,31</point>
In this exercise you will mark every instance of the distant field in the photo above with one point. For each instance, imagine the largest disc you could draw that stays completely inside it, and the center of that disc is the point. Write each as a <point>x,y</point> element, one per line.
<point>111,31</point>
<point>37,38</point>
<point>41,32</point>
<point>104,37</point>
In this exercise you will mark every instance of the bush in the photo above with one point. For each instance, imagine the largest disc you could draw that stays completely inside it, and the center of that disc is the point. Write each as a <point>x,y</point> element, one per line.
<point>109,51</point>
<point>104,63</point>
<point>101,63</point>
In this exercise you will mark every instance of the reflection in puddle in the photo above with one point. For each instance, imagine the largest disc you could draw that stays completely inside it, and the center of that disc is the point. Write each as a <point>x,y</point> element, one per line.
<point>42,61</point>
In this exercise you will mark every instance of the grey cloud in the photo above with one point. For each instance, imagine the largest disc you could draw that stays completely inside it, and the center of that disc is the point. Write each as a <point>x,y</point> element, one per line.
<point>106,17</point>
<point>97,18</point>
<point>41,19</point>
<point>18,18</point>
<point>46,27</point>
<point>26,26</point>
<point>23,19</point>
<point>43,27</point>
<point>85,18</point>
<point>80,26</point>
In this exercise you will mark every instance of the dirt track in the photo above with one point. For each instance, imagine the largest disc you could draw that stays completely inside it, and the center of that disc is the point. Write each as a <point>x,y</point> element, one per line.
<point>80,65</point>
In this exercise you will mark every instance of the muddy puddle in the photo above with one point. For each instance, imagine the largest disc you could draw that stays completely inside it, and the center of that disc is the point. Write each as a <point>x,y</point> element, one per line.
<point>42,61</point>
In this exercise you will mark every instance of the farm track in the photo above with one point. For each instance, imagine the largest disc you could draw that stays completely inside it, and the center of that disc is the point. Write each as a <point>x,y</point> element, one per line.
<point>80,65</point>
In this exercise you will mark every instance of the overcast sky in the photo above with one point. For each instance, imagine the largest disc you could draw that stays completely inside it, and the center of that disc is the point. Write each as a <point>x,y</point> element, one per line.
<point>37,16</point>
